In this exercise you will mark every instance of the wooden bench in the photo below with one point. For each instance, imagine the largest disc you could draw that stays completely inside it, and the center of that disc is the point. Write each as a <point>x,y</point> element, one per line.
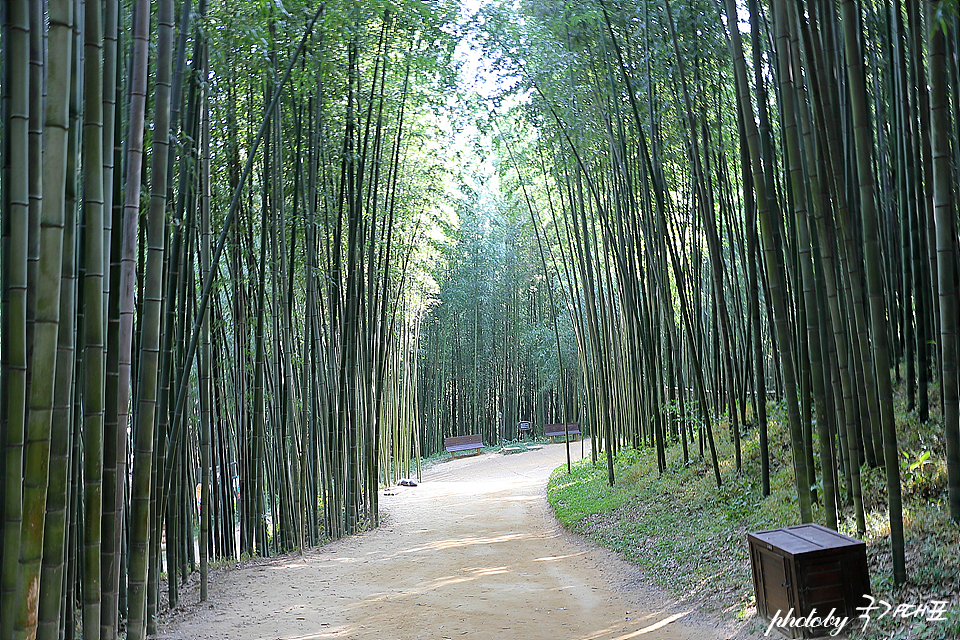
<point>553,431</point>
<point>453,444</point>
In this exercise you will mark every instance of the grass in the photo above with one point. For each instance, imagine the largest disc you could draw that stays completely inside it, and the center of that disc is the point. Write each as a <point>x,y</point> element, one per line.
<point>690,537</point>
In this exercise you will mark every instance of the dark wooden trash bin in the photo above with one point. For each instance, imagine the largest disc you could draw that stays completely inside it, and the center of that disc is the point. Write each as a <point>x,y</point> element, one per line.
<point>808,566</point>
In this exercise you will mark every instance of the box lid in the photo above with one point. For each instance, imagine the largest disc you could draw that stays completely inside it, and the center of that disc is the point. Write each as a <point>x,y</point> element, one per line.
<point>804,538</point>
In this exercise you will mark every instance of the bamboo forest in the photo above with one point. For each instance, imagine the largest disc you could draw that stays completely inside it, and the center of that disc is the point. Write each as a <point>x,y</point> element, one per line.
<point>260,258</point>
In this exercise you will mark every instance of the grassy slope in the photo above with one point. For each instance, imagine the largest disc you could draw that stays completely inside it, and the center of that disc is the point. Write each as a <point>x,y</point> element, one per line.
<point>690,537</point>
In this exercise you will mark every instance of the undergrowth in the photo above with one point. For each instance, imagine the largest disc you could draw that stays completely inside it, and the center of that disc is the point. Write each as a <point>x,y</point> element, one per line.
<point>690,537</point>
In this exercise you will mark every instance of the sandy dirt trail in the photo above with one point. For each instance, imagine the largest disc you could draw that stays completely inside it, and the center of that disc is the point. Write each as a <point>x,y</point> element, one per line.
<point>473,552</point>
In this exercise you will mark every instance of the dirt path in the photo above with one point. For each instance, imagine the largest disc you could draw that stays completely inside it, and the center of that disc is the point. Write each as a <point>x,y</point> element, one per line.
<point>473,552</point>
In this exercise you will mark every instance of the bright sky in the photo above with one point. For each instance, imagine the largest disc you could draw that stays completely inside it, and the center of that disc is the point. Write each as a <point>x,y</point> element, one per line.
<point>477,73</point>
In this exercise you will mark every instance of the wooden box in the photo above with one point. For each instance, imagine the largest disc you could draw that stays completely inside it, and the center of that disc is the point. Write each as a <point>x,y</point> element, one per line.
<point>808,566</point>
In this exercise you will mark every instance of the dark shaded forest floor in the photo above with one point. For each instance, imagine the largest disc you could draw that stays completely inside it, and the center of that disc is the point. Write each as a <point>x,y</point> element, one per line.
<point>690,537</point>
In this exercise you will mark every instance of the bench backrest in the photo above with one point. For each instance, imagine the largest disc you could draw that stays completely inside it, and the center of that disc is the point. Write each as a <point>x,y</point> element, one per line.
<point>475,438</point>
<point>558,429</point>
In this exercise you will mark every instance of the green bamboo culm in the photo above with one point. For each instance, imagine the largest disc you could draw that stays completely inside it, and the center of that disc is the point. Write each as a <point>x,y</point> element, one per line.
<point>47,317</point>
<point>57,522</point>
<point>944,209</point>
<point>94,325</point>
<point>16,205</point>
<point>128,250</point>
<point>141,518</point>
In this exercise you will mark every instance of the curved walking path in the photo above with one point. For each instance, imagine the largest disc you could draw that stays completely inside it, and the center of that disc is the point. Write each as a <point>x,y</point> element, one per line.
<point>473,552</point>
